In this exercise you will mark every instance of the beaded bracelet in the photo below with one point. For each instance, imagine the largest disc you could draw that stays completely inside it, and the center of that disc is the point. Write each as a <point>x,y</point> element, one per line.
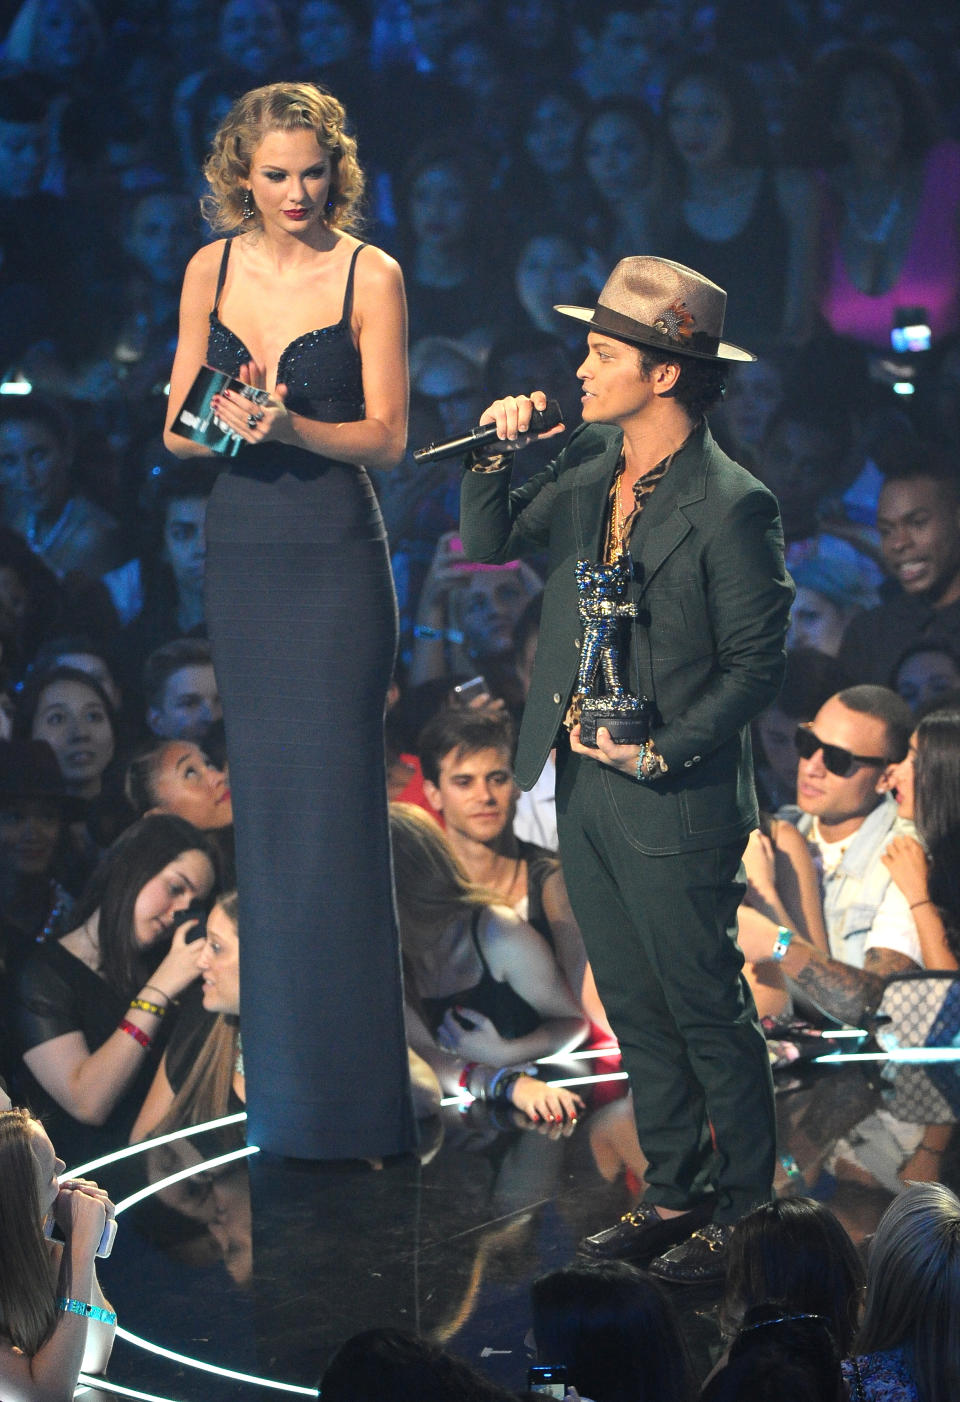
<point>137,1033</point>
<point>69,1306</point>
<point>141,1005</point>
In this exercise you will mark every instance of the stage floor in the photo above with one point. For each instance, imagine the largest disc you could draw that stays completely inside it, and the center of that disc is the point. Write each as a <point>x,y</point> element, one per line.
<point>235,1274</point>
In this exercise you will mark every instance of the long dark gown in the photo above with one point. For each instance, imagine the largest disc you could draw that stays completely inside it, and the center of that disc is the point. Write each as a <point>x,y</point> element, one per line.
<point>302,620</point>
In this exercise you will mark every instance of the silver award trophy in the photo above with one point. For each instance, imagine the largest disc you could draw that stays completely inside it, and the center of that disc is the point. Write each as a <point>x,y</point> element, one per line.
<point>602,596</point>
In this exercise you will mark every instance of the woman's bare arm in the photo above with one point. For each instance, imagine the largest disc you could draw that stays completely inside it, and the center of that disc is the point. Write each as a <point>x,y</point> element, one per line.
<point>378,439</point>
<point>157,1102</point>
<point>798,884</point>
<point>196,302</point>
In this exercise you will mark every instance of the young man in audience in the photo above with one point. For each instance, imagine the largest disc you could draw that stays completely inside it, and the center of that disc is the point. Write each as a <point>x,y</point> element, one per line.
<point>918,517</point>
<point>467,761</point>
<point>848,819</point>
<point>181,690</point>
<point>40,499</point>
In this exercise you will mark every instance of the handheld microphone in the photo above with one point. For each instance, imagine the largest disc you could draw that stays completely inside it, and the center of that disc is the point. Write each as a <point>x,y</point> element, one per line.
<point>541,421</point>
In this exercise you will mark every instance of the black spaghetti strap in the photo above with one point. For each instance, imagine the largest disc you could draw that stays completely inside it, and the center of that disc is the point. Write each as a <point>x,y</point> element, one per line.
<point>348,290</point>
<point>475,928</point>
<point>223,275</point>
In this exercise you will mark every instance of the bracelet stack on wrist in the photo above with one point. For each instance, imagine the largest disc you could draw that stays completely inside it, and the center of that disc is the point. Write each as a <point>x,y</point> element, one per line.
<point>489,1082</point>
<point>650,764</point>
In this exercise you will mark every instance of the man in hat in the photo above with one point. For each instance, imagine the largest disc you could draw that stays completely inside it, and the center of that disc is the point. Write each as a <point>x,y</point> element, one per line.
<point>652,834</point>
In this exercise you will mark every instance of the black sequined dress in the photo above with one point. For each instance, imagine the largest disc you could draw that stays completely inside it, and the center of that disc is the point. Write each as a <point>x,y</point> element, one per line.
<point>302,620</point>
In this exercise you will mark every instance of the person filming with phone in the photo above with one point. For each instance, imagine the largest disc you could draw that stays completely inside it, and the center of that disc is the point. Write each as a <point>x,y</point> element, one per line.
<point>466,617</point>
<point>54,1320</point>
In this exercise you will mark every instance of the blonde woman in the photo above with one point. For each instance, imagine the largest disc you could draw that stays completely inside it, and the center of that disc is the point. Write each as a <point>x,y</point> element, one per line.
<point>485,995</point>
<point>908,1347</point>
<point>301,609</point>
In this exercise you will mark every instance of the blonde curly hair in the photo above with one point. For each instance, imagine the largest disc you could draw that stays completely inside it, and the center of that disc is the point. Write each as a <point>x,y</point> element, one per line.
<point>281,107</point>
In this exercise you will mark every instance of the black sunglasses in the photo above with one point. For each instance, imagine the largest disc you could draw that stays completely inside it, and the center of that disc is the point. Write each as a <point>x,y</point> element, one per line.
<point>836,760</point>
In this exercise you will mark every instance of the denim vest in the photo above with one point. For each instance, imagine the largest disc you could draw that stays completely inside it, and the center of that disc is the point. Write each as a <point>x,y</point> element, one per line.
<point>853,893</point>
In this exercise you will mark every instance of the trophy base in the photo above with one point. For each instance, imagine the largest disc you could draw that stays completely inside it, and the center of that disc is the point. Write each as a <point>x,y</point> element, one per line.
<point>625,727</point>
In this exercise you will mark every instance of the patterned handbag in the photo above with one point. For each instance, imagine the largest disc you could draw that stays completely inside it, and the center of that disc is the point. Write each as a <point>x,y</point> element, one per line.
<point>920,1009</point>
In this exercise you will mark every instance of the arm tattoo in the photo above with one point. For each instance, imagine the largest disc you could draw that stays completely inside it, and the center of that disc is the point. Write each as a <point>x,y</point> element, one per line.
<point>839,990</point>
<point>887,962</point>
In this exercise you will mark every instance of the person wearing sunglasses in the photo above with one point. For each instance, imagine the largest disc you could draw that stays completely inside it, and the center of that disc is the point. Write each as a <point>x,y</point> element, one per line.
<point>847,816</point>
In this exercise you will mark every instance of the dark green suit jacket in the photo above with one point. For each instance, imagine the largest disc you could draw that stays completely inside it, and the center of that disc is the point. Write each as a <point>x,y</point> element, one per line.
<point>707,647</point>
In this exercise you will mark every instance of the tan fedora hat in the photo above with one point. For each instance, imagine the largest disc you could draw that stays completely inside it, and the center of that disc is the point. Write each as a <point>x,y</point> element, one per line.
<point>656,302</point>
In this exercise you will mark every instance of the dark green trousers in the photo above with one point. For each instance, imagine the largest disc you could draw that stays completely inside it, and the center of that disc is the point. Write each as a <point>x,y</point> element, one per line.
<point>660,933</point>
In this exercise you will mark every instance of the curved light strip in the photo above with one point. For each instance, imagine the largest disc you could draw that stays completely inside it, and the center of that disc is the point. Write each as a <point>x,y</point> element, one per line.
<point>464,1099</point>
<point>182,1173</point>
<point>214,1367</point>
<point>146,1192</point>
<point>904,1054</point>
<point>146,1144</point>
<point>86,1380</point>
<point>589,1080</point>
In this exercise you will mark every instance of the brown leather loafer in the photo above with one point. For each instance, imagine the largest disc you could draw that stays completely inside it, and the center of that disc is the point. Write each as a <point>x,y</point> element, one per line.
<point>643,1232</point>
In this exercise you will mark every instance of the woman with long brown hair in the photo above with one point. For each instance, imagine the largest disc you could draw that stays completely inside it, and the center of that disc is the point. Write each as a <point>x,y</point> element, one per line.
<point>201,1075</point>
<point>54,1319</point>
<point>93,1009</point>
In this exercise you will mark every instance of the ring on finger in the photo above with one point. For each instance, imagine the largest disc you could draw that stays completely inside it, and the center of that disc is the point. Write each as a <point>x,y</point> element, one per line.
<point>253,420</point>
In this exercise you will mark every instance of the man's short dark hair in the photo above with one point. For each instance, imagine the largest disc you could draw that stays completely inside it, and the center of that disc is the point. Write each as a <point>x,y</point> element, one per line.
<point>700,384</point>
<point>51,414</point>
<point>884,705</point>
<point>171,657</point>
<point>905,459</point>
<point>464,730</point>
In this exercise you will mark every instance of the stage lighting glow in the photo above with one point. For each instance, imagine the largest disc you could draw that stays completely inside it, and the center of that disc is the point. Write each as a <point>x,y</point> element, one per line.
<point>900,1054</point>
<point>464,1099</point>
<point>189,1172</point>
<point>214,1368</point>
<point>590,1054</point>
<point>104,1386</point>
<point>145,1144</point>
<point>16,384</point>
<point>148,1191</point>
<point>589,1080</point>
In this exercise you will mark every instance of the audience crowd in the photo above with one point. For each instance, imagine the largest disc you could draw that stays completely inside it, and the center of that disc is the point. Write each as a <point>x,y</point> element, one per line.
<point>805,155</point>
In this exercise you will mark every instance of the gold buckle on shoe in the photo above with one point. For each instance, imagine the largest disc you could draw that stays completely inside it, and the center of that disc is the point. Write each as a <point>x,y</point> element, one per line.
<point>712,1244</point>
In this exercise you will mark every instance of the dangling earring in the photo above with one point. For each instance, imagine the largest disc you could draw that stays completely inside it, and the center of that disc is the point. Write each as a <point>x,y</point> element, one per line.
<point>249,208</point>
